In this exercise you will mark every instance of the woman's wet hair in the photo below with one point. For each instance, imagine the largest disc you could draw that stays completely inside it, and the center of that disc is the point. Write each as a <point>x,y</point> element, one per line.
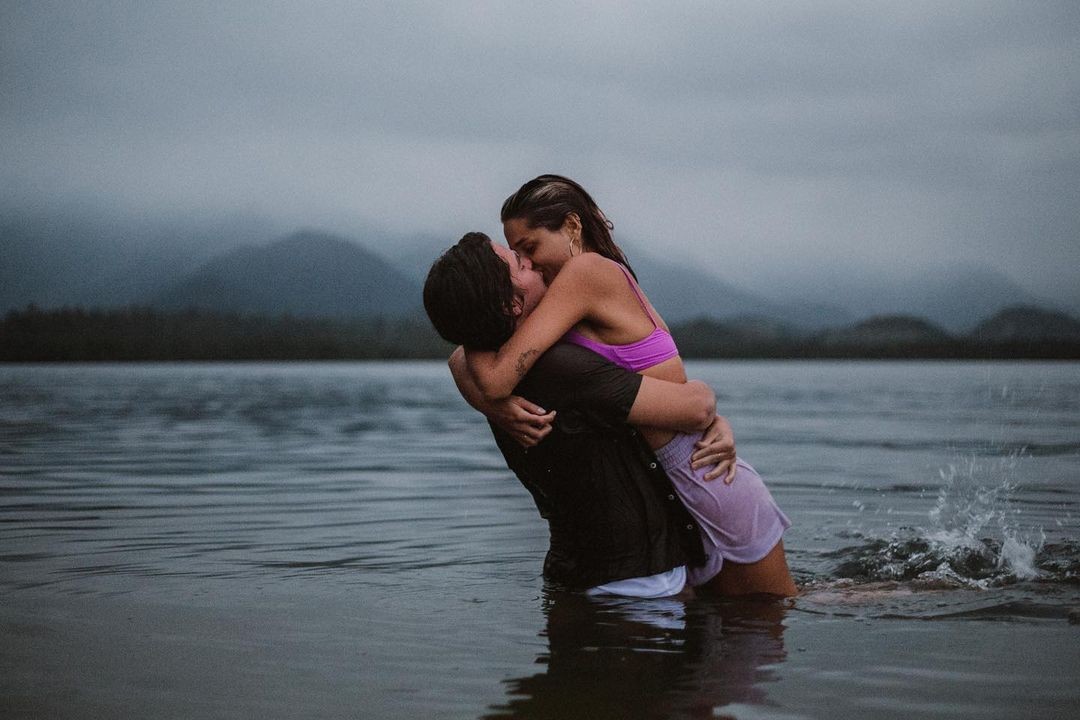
<point>468,295</point>
<point>547,200</point>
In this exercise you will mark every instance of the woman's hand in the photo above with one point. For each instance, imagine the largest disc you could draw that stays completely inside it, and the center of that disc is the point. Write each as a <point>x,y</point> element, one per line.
<point>526,422</point>
<point>716,447</point>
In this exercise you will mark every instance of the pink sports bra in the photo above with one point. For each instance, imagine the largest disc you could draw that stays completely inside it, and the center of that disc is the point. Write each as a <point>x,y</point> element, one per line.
<point>653,349</point>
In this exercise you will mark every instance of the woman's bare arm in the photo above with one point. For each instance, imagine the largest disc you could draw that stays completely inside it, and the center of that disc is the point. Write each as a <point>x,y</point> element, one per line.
<point>523,420</point>
<point>571,298</point>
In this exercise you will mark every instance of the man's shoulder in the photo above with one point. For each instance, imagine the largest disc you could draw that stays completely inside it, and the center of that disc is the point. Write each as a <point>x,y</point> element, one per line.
<point>553,371</point>
<point>564,357</point>
<point>569,375</point>
<point>565,361</point>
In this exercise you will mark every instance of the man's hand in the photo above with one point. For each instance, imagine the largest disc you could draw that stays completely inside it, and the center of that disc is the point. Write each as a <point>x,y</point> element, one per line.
<point>526,422</point>
<point>716,447</point>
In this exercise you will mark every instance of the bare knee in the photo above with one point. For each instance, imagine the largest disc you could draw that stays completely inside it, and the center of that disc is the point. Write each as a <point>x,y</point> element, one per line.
<point>769,576</point>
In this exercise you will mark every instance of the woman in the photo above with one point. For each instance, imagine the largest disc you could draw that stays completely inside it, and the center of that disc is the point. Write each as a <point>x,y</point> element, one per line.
<point>593,300</point>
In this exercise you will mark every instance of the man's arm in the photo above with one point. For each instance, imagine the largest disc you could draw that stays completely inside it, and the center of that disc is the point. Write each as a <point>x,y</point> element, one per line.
<point>573,377</point>
<point>686,407</point>
<point>576,377</point>
<point>669,405</point>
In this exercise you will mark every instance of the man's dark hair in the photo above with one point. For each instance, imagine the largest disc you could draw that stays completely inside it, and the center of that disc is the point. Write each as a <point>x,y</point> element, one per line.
<point>468,295</point>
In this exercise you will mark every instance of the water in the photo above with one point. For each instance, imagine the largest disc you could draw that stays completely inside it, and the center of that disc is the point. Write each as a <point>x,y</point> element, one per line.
<point>343,540</point>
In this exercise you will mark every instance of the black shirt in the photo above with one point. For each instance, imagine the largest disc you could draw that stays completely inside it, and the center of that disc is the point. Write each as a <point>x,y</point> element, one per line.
<point>610,507</point>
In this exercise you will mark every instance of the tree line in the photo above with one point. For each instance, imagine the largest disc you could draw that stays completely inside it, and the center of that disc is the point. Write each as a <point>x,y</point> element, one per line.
<point>145,334</point>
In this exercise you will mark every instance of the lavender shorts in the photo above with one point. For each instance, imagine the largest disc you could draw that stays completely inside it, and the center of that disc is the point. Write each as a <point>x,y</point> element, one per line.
<point>739,522</point>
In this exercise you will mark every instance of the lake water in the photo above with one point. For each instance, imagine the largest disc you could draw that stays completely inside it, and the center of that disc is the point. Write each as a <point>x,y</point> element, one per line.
<point>343,540</point>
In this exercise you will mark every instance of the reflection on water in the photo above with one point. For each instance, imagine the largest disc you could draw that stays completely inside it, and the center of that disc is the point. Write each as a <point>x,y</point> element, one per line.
<point>622,658</point>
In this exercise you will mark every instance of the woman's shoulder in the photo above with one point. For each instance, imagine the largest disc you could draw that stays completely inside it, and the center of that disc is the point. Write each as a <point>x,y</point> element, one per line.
<point>593,267</point>
<point>589,275</point>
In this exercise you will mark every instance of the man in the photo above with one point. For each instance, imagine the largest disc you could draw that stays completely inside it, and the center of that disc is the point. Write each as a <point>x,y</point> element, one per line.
<point>617,525</point>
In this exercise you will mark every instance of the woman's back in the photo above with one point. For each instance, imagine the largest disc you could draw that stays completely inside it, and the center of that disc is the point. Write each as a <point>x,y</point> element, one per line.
<point>625,329</point>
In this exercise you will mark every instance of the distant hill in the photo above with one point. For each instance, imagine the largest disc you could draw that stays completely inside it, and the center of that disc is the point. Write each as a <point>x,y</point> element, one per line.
<point>1027,324</point>
<point>307,274</point>
<point>679,292</point>
<point>744,336</point>
<point>48,262</point>
<point>1018,332</point>
<point>954,297</point>
<point>682,293</point>
<point>886,330</point>
<point>761,328</point>
<point>97,260</point>
<point>82,258</point>
<point>959,297</point>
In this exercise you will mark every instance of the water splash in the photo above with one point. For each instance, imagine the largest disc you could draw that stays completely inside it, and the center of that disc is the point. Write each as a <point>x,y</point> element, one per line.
<point>975,512</point>
<point>976,538</point>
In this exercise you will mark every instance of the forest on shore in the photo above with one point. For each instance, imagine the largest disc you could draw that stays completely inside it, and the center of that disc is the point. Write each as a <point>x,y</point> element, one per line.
<point>144,334</point>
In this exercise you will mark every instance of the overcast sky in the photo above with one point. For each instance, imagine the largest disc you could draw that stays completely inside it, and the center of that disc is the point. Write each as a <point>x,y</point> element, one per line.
<point>760,139</point>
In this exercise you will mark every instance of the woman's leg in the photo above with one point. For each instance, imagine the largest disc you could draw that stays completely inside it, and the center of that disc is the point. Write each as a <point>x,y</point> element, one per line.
<point>769,575</point>
<point>741,526</point>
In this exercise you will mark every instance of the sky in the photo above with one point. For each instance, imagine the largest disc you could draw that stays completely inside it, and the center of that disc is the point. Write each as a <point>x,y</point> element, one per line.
<point>773,143</point>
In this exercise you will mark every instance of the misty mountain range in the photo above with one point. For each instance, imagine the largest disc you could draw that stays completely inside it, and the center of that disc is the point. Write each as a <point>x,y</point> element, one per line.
<point>228,265</point>
<point>307,274</point>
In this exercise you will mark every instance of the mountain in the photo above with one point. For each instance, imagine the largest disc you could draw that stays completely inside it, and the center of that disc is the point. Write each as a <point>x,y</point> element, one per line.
<point>678,292</point>
<point>954,297</point>
<point>307,274</point>
<point>682,292</point>
<point>886,330</point>
<point>809,316</point>
<point>763,329</point>
<point>40,263</point>
<point>959,297</point>
<point>94,259</point>
<point>743,336</point>
<point>1027,324</point>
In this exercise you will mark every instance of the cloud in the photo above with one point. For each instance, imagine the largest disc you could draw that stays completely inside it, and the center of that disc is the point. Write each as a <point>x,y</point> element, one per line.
<point>788,135</point>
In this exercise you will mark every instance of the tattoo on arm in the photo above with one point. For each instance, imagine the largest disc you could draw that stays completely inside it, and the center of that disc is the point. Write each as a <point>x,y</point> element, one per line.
<point>521,367</point>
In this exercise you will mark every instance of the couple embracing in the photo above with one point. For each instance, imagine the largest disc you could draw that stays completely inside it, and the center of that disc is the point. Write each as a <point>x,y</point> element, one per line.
<point>589,403</point>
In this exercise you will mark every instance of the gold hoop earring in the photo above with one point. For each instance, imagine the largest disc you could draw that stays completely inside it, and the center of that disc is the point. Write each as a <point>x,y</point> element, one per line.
<point>570,247</point>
